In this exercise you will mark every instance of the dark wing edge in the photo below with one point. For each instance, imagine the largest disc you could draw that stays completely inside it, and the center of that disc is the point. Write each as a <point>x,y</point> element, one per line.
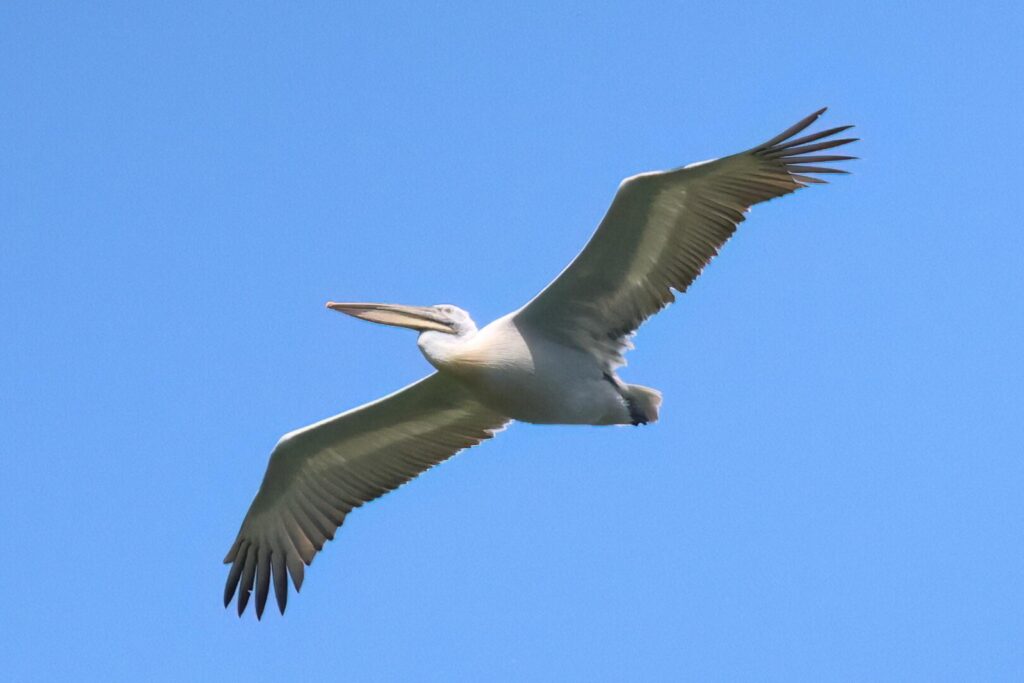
<point>689,213</point>
<point>317,475</point>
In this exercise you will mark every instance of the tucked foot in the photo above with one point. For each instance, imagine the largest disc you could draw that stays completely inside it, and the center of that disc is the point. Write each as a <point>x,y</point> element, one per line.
<point>641,402</point>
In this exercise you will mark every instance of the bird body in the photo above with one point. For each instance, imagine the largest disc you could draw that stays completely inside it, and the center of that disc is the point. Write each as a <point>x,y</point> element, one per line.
<point>553,361</point>
<point>518,371</point>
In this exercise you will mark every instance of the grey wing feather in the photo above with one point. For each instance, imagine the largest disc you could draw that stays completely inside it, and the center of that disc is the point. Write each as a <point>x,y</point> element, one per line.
<point>661,230</point>
<point>320,473</point>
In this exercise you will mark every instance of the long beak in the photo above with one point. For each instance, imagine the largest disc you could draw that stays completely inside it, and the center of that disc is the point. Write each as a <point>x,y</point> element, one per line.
<point>414,317</point>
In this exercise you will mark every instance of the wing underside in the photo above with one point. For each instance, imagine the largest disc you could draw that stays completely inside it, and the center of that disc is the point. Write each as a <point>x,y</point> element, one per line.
<point>317,475</point>
<point>660,232</point>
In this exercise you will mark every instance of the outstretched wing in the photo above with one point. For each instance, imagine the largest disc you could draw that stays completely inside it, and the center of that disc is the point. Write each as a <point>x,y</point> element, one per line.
<point>661,230</point>
<point>318,474</point>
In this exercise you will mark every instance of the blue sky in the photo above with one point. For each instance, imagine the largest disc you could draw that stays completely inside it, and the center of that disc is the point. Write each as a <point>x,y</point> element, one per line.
<point>834,490</point>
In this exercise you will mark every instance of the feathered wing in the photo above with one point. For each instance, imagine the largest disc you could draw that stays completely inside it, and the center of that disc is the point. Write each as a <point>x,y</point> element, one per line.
<point>661,230</point>
<point>318,474</point>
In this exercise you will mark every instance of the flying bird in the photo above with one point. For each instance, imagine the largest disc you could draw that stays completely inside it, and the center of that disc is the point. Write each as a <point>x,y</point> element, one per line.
<point>553,361</point>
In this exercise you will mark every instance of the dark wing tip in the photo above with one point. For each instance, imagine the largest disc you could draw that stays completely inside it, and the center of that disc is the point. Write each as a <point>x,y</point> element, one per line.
<point>277,563</point>
<point>796,154</point>
<point>262,580</point>
<point>792,130</point>
<point>815,169</point>
<point>230,557</point>
<point>235,574</point>
<point>251,575</point>
<point>243,600</point>
<point>807,179</point>
<point>247,575</point>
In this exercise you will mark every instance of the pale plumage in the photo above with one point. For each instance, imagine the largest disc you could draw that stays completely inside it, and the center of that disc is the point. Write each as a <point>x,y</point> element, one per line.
<point>319,473</point>
<point>661,230</point>
<point>552,361</point>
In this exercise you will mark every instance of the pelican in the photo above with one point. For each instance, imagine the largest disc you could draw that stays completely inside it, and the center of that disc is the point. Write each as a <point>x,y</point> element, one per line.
<point>553,361</point>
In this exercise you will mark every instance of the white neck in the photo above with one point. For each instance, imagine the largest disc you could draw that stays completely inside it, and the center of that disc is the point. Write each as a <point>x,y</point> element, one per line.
<point>440,348</point>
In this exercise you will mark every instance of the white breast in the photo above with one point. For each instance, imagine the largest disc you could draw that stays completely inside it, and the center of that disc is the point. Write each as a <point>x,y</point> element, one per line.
<point>528,377</point>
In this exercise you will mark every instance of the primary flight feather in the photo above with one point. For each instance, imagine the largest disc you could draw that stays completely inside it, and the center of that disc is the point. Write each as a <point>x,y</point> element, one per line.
<point>551,362</point>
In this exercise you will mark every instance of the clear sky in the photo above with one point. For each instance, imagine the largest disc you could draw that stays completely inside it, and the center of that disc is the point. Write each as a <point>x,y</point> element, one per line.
<point>835,490</point>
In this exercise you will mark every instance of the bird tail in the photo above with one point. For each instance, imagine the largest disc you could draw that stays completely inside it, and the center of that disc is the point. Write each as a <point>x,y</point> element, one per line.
<point>644,402</point>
